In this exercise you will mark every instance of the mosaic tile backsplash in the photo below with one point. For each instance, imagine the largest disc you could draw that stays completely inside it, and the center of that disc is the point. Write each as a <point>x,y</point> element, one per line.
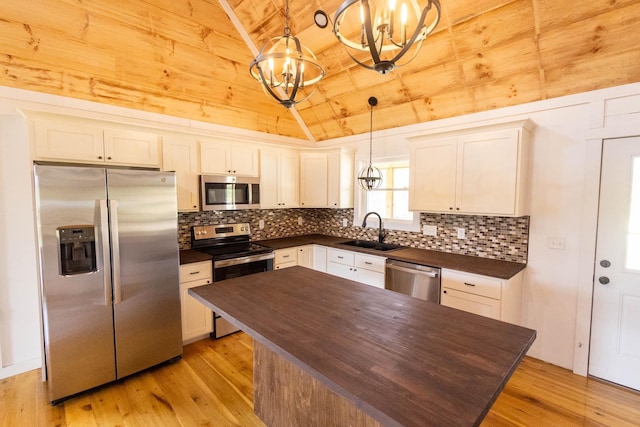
<point>502,238</point>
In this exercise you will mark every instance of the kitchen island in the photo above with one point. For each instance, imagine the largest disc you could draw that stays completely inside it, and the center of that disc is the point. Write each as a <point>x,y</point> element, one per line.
<point>329,351</point>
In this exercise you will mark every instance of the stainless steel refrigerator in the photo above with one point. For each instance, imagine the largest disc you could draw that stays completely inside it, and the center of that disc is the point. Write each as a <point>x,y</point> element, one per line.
<point>109,272</point>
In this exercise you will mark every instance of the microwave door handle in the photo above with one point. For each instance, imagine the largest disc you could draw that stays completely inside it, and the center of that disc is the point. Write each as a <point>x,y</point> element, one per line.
<point>115,251</point>
<point>106,259</point>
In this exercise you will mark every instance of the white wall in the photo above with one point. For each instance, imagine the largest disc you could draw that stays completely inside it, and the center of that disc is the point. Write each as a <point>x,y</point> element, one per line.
<point>563,198</point>
<point>19,307</point>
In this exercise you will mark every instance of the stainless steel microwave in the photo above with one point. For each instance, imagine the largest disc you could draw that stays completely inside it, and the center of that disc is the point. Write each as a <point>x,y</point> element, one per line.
<point>224,193</point>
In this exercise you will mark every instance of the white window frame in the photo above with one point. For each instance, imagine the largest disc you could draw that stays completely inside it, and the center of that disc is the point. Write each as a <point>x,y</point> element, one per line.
<point>360,202</point>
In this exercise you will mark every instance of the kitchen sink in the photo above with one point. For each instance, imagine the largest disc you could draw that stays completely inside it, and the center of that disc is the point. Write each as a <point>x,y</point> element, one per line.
<point>365,244</point>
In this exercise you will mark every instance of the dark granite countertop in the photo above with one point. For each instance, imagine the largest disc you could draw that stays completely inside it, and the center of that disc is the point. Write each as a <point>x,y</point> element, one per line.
<point>466,263</point>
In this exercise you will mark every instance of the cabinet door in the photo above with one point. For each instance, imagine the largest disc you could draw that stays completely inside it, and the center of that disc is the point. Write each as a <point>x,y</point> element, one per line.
<point>313,180</point>
<point>432,181</point>
<point>269,160</point>
<point>289,179</point>
<point>487,173</point>
<point>370,277</point>
<point>305,256</point>
<point>131,148</point>
<point>320,258</point>
<point>197,320</point>
<point>68,141</point>
<point>471,303</point>
<point>214,158</point>
<point>340,179</point>
<point>244,160</point>
<point>181,156</point>
<point>340,270</point>
<point>284,258</point>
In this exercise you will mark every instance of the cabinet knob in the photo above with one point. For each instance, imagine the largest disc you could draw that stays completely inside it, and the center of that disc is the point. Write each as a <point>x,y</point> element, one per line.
<point>450,208</point>
<point>100,157</point>
<point>457,209</point>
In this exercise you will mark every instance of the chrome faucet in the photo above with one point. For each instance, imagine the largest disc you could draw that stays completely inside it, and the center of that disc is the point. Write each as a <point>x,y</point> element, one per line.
<point>381,232</point>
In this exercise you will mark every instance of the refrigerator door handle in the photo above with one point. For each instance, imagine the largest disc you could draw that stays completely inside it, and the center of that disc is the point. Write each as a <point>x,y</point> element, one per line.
<point>106,259</point>
<point>115,251</point>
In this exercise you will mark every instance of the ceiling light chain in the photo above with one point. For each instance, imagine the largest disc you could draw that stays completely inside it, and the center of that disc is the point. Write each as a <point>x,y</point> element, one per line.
<point>286,69</point>
<point>370,176</point>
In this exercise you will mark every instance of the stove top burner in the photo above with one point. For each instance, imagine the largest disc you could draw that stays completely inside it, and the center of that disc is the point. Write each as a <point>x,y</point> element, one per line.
<point>225,241</point>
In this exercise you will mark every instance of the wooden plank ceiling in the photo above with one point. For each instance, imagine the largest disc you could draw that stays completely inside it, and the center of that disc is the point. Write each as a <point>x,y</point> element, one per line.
<point>187,59</point>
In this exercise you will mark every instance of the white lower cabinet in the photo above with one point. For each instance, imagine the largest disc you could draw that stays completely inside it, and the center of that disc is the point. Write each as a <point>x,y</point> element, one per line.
<point>487,296</point>
<point>285,258</point>
<point>197,320</point>
<point>363,268</point>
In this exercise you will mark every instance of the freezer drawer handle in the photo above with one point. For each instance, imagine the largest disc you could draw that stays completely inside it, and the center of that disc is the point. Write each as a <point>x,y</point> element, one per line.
<point>115,248</point>
<point>106,261</point>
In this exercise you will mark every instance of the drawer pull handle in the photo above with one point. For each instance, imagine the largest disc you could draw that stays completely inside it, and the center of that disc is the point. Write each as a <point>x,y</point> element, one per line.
<point>285,256</point>
<point>194,272</point>
<point>368,263</point>
<point>340,257</point>
<point>469,284</point>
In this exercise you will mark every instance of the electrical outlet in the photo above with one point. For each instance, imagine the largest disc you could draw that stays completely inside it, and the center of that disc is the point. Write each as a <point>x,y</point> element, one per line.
<point>261,224</point>
<point>300,221</point>
<point>557,242</point>
<point>345,222</point>
<point>461,233</point>
<point>430,230</point>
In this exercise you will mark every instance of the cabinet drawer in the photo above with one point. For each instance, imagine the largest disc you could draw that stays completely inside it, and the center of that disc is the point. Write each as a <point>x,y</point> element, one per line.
<point>287,264</point>
<point>489,287</point>
<point>286,255</point>
<point>470,303</point>
<point>370,262</point>
<point>339,256</point>
<point>195,271</point>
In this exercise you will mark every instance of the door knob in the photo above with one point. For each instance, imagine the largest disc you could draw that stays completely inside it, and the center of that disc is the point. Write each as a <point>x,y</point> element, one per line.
<point>605,263</point>
<point>604,280</point>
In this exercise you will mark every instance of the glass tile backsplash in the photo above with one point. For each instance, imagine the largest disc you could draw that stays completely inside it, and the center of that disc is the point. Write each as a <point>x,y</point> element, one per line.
<point>502,238</point>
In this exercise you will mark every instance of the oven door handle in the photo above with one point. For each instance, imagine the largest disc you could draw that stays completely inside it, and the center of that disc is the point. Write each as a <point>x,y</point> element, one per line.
<point>242,260</point>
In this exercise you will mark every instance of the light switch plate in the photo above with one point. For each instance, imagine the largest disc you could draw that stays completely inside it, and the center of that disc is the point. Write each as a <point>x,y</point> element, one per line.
<point>345,222</point>
<point>557,242</point>
<point>300,220</point>
<point>430,230</point>
<point>461,233</point>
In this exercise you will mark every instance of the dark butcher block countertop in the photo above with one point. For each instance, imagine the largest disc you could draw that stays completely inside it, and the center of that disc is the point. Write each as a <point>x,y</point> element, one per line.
<point>402,360</point>
<point>469,264</point>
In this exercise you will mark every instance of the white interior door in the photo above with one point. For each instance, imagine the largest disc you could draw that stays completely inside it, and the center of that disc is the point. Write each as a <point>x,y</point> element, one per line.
<point>615,331</point>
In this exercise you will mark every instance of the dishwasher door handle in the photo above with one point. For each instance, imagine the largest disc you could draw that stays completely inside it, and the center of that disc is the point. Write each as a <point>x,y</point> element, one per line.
<point>433,274</point>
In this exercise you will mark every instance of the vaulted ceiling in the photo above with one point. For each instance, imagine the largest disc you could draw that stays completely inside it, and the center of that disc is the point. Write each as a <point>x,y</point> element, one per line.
<point>189,59</point>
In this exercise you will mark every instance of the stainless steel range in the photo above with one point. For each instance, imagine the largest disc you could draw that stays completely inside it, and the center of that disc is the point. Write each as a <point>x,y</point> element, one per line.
<point>233,255</point>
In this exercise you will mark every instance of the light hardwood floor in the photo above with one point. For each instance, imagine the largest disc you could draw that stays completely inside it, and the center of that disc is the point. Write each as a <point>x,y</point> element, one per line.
<point>212,386</point>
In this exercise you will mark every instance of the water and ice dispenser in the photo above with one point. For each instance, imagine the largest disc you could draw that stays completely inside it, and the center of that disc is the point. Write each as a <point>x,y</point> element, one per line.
<point>77,249</point>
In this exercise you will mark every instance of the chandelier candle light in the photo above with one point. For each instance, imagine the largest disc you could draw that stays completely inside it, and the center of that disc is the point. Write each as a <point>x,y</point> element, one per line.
<point>370,176</point>
<point>286,69</point>
<point>377,27</point>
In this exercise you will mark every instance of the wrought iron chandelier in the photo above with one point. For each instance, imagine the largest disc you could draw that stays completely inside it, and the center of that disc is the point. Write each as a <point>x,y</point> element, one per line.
<point>370,176</point>
<point>286,69</point>
<point>377,27</point>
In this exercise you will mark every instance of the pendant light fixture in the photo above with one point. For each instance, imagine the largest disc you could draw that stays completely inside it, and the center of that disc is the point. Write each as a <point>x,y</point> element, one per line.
<point>287,70</point>
<point>386,32</point>
<point>370,176</point>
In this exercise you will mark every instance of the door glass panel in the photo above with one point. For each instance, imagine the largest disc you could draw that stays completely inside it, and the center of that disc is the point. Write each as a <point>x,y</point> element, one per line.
<point>633,237</point>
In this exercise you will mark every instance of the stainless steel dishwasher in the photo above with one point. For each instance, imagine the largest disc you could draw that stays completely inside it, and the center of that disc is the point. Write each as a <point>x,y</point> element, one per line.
<point>419,281</point>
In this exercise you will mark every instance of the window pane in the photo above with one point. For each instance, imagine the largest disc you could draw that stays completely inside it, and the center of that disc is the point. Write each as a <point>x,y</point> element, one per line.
<point>401,178</point>
<point>401,205</point>
<point>633,238</point>
<point>377,202</point>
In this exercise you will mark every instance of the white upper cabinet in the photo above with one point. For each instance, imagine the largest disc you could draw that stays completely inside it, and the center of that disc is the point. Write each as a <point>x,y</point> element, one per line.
<point>473,172</point>
<point>80,141</point>
<point>340,180</point>
<point>314,180</point>
<point>326,179</point>
<point>279,178</point>
<point>227,158</point>
<point>180,155</point>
